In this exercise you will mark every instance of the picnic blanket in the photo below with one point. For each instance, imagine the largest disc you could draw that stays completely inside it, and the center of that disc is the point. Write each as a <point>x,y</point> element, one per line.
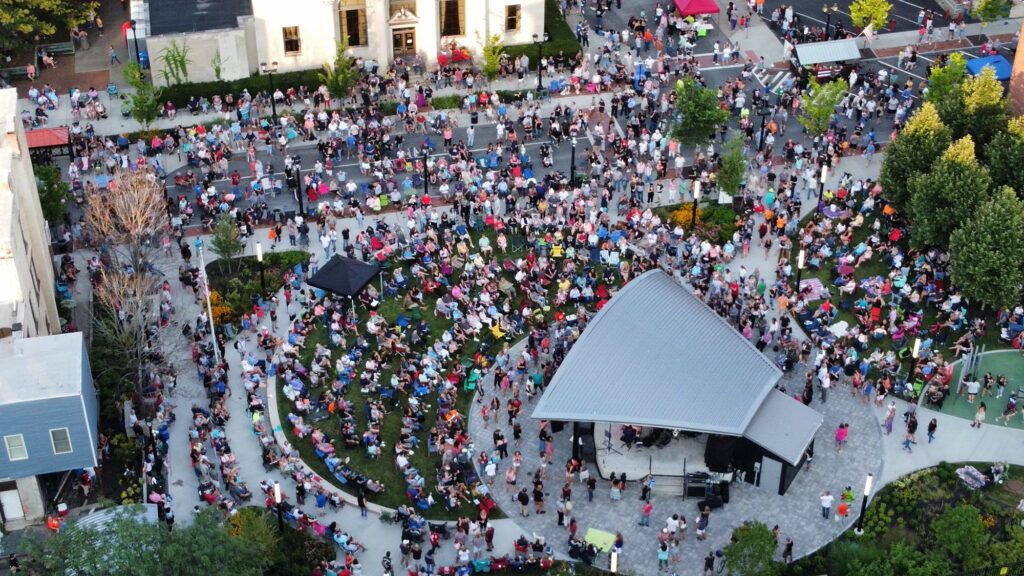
<point>972,477</point>
<point>812,289</point>
<point>601,540</point>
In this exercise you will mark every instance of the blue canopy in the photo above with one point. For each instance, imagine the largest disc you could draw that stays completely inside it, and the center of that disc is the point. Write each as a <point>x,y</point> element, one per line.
<point>1000,64</point>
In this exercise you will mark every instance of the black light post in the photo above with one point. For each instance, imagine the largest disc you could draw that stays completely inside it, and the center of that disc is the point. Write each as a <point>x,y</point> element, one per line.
<point>280,509</point>
<point>538,41</point>
<point>572,166</point>
<point>859,530</point>
<point>138,55</point>
<point>799,270</point>
<point>764,112</point>
<point>693,211</point>
<point>259,259</point>
<point>829,11</point>
<point>269,70</point>
<point>426,170</point>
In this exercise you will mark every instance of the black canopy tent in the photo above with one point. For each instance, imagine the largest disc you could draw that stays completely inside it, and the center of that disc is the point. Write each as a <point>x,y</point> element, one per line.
<point>344,276</point>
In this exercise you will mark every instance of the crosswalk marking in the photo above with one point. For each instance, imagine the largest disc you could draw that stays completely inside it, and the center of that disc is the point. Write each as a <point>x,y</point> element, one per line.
<point>774,80</point>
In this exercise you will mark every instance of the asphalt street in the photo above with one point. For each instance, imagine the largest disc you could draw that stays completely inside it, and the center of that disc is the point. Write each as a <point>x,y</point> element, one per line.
<point>903,14</point>
<point>308,154</point>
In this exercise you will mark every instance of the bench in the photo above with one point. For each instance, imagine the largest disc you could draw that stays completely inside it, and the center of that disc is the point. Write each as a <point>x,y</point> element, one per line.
<point>60,48</point>
<point>15,73</point>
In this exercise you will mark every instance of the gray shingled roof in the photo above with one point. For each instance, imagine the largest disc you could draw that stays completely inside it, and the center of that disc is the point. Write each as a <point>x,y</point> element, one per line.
<point>176,16</point>
<point>784,426</point>
<point>656,355</point>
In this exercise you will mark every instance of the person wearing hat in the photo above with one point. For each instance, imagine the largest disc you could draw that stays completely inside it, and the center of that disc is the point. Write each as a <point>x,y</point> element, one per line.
<point>406,549</point>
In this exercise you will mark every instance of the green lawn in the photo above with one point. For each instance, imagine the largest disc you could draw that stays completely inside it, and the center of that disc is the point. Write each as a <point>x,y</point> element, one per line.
<point>876,267</point>
<point>1008,363</point>
<point>383,469</point>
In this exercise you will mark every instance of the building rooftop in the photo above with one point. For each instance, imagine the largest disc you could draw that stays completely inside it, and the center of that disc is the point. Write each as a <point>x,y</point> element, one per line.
<point>177,16</point>
<point>40,368</point>
<point>656,355</point>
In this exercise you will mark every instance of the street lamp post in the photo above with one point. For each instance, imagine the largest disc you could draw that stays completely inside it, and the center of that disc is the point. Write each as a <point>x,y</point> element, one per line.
<point>538,41</point>
<point>138,55</point>
<point>269,70</point>
<point>426,171</point>
<point>259,259</point>
<point>693,211</point>
<point>868,482</point>
<point>799,269</point>
<point>209,306</point>
<point>915,353</point>
<point>572,166</point>
<point>764,112</point>
<point>277,504</point>
<point>829,11</point>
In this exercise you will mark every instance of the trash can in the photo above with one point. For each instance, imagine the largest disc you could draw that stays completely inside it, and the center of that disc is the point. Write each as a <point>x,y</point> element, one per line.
<point>144,59</point>
<point>474,117</point>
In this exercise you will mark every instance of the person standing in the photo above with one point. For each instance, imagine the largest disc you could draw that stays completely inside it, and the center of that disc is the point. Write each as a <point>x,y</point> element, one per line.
<point>361,501</point>
<point>702,523</point>
<point>709,564</point>
<point>787,552</point>
<point>645,514</point>
<point>890,416</point>
<point>113,56</point>
<point>932,426</point>
<point>827,499</point>
<point>591,487</point>
<point>386,564</point>
<point>524,502</point>
<point>979,416</point>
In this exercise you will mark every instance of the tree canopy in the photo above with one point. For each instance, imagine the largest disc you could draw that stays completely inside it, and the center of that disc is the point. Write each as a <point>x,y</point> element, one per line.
<point>493,48</point>
<point>971,105</point>
<point>944,197</point>
<point>753,552</point>
<point>874,12</point>
<point>27,22</point>
<point>733,167</point>
<point>962,535</point>
<point>913,151</point>
<point>699,114</point>
<point>820,104</point>
<point>341,75</point>
<point>129,547</point>
<point>53,193</point>
<point>986,254</point>
<point>226,241</point>
<point>1003,155</point>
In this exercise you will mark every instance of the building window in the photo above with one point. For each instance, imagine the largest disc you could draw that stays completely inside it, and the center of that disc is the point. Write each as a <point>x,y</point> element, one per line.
<point>453,17</point>
<point>292,43</point>
<point>16,449</point>
<point>353,26</point>
<point>512,17</point>
<point>61,440</point>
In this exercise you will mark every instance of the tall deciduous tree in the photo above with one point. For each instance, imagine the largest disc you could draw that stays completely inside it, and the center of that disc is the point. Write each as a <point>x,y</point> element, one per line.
<point>144,100</point>
<point>944,81</point>
<point>130,547</point>
<point>923,139</point>
<point>874,12</point>
<point>992,10</point>
<point>341,75</point>
<point>974,105</point>
<point>130,219</point>
<point>819,104</point>
<point>753,551</point>
<point>699,113</point>
<point>28,22</point>
<point>987,252</point>
<point>1004,155</point>
<point>493,48</point>
<point>226,241</point>
<point>733,167</point>
<point>947,195</point>
<point>53,193</point>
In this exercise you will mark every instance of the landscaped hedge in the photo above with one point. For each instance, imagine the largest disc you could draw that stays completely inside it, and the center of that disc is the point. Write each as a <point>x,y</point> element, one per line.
<point>180,93</point>
<point>446,102</point>
<point>561,37</point>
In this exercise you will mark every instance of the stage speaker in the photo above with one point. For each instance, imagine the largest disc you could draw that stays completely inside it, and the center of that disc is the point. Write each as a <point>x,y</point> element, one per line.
<point>557,426</point>
<point>713,502</point>
<point>723,490</point>
<point>697,490</point>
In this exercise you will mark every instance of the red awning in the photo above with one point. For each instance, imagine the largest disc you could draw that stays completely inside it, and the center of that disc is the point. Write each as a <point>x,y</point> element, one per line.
<point>697,7</point>
<point>47,138</point>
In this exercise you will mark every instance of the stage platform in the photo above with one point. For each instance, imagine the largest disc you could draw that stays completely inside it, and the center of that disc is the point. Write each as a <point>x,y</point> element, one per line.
<point>680,457</point>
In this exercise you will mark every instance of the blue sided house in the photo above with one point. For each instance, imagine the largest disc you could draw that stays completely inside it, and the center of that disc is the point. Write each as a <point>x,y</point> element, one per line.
<point>48,419</point>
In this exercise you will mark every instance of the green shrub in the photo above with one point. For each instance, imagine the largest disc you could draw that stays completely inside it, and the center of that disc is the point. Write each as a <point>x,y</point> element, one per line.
<point>180,93</point>
<point>446,102</point>
<point>718,221</point>
<point>512,96</point>
<point>389,108</point>
<point>238,285</point>
<point>561,38</point>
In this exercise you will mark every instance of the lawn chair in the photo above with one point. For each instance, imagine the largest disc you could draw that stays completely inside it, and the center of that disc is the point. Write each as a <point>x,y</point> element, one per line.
<point>112,91</point>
